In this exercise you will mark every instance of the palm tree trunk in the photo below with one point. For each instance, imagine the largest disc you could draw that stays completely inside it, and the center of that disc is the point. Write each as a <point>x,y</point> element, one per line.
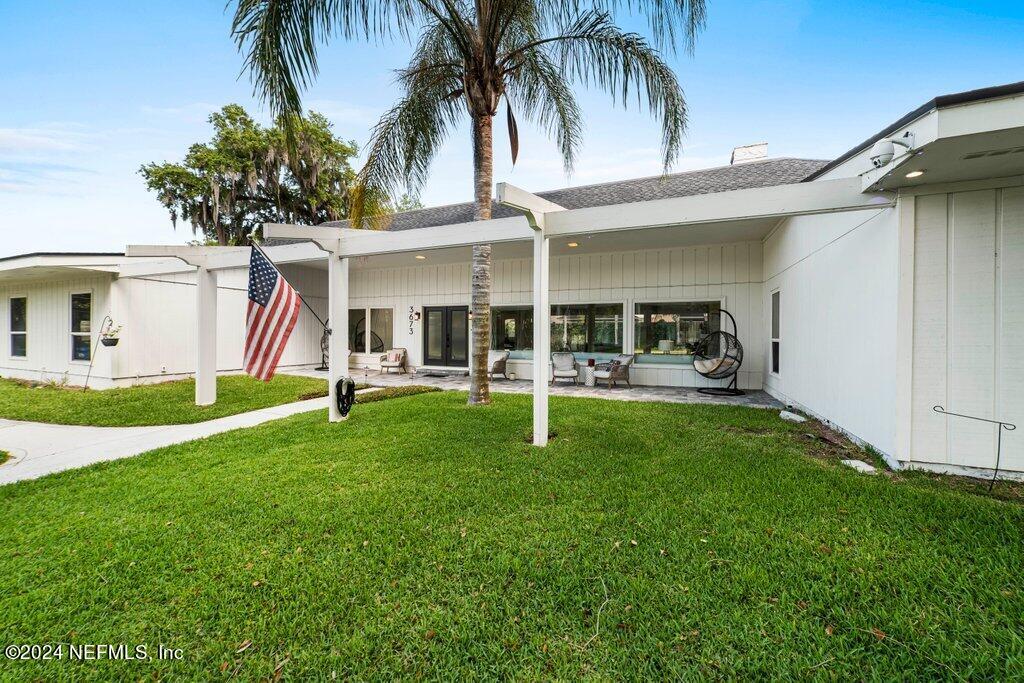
<point>483,173</point>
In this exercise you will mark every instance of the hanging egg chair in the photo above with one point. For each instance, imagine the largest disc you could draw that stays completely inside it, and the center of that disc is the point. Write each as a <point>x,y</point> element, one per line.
<point>719,356</point>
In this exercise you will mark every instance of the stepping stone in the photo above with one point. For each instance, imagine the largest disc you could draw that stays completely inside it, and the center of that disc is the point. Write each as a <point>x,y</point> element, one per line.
<point>792,417</point>
<point>861,466</point>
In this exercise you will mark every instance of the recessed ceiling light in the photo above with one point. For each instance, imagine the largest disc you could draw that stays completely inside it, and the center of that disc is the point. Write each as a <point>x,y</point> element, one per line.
<point>421,257</point>
<point>915,174</point>
<point>573,245</point>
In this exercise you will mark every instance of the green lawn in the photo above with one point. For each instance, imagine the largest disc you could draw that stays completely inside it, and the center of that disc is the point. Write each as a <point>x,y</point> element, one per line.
<point>149,404</point>
<point>426,538</point>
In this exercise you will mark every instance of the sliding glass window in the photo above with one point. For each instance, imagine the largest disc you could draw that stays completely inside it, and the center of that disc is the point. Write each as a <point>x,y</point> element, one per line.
<point>668,332</point>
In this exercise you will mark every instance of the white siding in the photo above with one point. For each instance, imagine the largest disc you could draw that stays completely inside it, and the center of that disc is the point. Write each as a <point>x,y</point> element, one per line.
<point>968,327</point>
<point>728,272</point>
<point>49,330</point>
<point>837,277</point>
<point>159,337</point>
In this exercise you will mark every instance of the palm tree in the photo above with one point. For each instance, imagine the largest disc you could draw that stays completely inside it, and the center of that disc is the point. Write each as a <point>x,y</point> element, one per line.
<point>469,57</point>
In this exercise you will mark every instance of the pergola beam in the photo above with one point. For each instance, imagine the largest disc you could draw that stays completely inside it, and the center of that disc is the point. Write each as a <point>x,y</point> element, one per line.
<point>778,201</point>
<point>206,309</point>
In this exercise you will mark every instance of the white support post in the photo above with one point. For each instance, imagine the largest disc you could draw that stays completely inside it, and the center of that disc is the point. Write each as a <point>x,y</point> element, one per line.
<point>206,336</point>
<point>536,210</point>
<point>541,337</point>
<point>337,353</point>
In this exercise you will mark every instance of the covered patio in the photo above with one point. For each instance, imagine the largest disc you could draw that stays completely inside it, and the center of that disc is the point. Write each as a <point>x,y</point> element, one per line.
<point>650,394</point>
<point>579,255</point>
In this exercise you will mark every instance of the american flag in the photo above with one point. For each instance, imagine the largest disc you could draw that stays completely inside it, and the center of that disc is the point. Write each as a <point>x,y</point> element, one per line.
<point>273,310</point>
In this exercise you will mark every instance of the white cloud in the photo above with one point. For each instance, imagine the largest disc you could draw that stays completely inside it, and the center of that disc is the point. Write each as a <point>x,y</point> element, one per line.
<point>24,141</point>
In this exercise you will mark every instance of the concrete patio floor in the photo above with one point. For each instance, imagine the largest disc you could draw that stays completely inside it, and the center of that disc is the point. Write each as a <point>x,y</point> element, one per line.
<point>753,399</point>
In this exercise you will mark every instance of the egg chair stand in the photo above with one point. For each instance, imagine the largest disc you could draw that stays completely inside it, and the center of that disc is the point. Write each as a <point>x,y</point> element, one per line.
<point>719,355</point>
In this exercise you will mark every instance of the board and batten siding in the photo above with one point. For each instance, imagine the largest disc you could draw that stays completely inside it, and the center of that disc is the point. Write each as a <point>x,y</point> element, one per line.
<point>968,331</point>
<point>159,311</point>
<point>837,278</point>
<point>158,318</point>
<point>727,272</point>
<point>49,330</point>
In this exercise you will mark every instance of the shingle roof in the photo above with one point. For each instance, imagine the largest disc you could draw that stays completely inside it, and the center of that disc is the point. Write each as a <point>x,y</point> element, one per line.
<point>737,177</point>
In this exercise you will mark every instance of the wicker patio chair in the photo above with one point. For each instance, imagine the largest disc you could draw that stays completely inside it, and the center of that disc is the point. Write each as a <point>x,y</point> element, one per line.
<point>497,363</point>
<point>615,371</point>
<point>394,359</point>
<point>564,366</point>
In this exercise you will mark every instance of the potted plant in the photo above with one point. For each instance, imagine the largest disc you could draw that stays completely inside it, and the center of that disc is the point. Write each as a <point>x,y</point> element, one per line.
<point>111,335</point>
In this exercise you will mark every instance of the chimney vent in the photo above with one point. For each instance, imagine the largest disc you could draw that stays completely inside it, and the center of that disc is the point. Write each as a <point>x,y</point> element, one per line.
<point>741,155</point>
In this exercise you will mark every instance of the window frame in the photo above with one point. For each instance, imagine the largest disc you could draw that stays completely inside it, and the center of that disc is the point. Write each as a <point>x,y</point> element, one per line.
<point>368,313</point>
<point>72,334</point>
<point>774,336</point>
<point>688,364</point>
<point>597,302</point>
<point>610,301</point>
<point>521,310</point>
<point>11,333</point>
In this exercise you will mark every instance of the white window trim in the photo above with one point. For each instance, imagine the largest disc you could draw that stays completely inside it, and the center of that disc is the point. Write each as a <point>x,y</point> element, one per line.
<point>663,300</point>
<point>72,335</point>
<point>10,356</point>
<point>774,340</point>
<point>367,310</point>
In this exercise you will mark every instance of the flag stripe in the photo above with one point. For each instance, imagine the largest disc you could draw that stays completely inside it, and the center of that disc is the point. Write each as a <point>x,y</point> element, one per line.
<point>271,316</point>
<point>273,331</point>
<point>293,317</point>
<point>263,322</point>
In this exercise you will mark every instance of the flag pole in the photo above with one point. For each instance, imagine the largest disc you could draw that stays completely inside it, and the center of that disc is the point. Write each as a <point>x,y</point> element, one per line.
<point>255,246</point>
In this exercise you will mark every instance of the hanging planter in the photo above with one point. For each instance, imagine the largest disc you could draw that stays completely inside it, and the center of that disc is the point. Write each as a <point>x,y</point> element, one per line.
<point>110,335</point>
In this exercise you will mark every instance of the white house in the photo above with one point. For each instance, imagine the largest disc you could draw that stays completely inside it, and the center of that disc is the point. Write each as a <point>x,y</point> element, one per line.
<point>866,290</point>
<point>53,305</point>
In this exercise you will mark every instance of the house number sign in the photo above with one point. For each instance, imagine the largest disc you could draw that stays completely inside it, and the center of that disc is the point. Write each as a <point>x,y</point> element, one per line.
<point>412,319</point>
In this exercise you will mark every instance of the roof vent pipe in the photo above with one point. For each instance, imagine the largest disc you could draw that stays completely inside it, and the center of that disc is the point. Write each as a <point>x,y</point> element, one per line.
<point>755,152</point>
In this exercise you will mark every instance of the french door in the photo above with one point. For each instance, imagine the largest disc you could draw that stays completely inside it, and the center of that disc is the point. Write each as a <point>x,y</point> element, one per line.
<point>446,336</point>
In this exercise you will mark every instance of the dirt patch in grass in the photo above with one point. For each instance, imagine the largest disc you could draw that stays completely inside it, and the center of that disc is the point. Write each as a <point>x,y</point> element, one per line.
<point>320,393</point>
<point>529,437</point>
<point>394,392</point>
<point>820,442</point>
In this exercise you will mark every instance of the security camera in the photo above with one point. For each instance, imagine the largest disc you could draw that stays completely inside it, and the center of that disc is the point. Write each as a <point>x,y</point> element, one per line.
<point>882,153</point>
<point>884,150</point>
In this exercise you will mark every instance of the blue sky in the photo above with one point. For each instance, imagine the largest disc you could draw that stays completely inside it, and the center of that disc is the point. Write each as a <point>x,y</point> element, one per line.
<point>93,90</point>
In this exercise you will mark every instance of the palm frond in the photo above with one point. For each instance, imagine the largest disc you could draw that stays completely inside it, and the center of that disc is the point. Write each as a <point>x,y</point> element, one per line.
<point>405,140</point>
<point>593,51</point>
<point>280,38</point>
<point>541,93</point>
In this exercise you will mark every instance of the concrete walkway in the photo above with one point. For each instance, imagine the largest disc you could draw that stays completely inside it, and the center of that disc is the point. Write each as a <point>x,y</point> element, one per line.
<point>38,448</point>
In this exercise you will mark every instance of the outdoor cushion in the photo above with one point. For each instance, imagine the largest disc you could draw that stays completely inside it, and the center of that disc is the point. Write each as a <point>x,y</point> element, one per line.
<point>707,365</point>
<point>567,373</point>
